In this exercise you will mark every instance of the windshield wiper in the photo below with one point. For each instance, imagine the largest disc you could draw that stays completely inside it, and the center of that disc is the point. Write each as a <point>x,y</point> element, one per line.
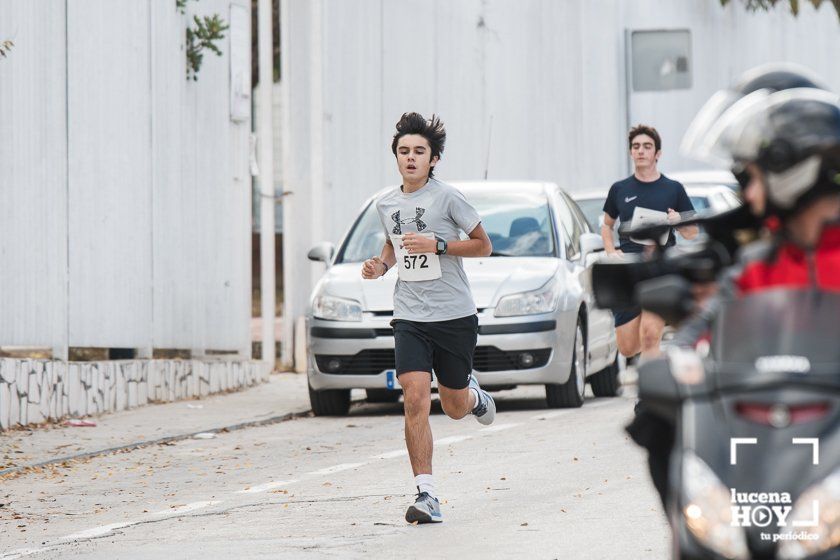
<point>500,254</point>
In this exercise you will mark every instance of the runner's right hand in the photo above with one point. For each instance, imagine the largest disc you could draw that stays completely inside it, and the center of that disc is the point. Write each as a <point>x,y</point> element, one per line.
<point>372,268</point>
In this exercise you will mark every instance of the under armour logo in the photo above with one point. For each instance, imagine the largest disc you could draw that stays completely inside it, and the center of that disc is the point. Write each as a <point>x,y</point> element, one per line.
<point>421,225</point>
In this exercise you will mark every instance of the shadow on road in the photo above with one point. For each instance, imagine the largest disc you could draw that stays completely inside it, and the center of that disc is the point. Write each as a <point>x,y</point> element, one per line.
<point>503,404</point>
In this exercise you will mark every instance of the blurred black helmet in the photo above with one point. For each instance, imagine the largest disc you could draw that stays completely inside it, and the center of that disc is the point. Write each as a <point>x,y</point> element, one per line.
<point>777,76</point>
<point>773,77</point>
<point>792,135</point>
<point>782,118</point>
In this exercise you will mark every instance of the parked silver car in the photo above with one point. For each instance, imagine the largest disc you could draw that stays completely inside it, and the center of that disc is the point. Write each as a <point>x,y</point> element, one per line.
<point>537,319</point>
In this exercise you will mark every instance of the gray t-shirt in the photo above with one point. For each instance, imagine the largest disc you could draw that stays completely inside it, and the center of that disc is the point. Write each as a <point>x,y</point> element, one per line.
<point>440,209</point>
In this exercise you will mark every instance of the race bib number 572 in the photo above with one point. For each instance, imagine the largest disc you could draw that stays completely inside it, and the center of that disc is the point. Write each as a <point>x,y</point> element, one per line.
<point>416,267</point>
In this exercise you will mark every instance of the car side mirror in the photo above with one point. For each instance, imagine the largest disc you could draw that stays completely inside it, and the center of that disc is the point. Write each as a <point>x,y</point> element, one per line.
<point>322,252</point>
<point>590,243</point>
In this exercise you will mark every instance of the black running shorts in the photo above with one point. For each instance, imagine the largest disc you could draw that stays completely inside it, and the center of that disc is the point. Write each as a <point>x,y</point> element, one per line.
<point>443,347</point>
<point>626,315</point>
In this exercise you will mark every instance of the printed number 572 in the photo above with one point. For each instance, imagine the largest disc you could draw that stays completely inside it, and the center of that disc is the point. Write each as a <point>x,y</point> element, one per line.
<point>410,261</point>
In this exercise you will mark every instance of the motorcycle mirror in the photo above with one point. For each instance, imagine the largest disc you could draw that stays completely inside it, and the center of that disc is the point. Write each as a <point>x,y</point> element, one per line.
<point>612,285</point>
<point>668,296</point>
<point>658,390</point>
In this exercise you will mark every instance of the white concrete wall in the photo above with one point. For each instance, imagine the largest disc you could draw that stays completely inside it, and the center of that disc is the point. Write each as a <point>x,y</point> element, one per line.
<point>37,391</point>
<point>124,188</point>
<point>550,76</point>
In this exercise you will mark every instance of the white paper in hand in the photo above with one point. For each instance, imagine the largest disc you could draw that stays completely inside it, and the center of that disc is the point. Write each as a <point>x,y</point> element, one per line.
<point>644,217</point>
<point>416,267</point>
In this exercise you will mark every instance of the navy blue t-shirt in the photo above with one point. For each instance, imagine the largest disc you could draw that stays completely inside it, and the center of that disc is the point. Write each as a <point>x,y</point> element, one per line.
<point>659,195</point>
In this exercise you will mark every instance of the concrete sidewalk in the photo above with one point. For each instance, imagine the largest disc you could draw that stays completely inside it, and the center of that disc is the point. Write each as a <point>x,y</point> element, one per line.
<point>284,394</point>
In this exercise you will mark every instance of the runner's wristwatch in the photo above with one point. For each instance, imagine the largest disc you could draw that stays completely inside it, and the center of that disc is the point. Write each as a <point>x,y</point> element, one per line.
<point>441,247</point>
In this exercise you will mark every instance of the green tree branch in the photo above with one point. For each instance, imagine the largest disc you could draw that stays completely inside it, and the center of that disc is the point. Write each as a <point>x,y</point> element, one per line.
<point>200,36</point>
<point>6,47</point>
<point>766,5</point>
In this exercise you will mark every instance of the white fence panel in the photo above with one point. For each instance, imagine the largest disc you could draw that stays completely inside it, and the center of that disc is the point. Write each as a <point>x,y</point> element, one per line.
<point>223,196</point>
<point>33,175</point>
<point>124,189</point>
<point>173,200</point>
<point>109,147</point>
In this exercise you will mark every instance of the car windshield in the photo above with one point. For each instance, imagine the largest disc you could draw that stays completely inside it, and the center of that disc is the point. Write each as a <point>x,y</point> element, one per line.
<point>518,224</point>
<point>593,209</point>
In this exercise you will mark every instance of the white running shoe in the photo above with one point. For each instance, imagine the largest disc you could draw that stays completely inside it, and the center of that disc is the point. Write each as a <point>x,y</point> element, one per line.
<point>485,408</point>
<point>426,509</point>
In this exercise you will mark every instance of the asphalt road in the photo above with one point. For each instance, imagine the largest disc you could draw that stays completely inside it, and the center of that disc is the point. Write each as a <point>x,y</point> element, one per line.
<point>538,483</point>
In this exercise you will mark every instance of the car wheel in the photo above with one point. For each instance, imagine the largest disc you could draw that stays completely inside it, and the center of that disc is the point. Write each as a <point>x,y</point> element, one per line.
<point>570,393</point>
<point>382,395</point>
<point>606,382</point>
<point>329,402</point>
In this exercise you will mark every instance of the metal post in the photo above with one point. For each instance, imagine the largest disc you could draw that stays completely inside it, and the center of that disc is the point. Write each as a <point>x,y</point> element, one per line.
<point>289,280</point>
<point>266,180</point>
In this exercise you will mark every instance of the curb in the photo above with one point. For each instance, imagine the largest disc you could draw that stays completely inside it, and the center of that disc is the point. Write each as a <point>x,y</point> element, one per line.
<point>147,443</point>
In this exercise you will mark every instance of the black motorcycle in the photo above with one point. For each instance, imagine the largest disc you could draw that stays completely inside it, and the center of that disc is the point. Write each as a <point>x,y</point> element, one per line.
<point>755,466</point>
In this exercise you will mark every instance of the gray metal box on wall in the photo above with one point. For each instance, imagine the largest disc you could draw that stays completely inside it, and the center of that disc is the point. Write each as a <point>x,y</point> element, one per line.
<point>661,59</point>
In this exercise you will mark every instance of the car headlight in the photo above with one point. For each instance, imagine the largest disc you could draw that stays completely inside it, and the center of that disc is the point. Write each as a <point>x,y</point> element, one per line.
<point>821,504</point>
<point>708,510</point>
<point>543,300</point>
<point>336,308</point>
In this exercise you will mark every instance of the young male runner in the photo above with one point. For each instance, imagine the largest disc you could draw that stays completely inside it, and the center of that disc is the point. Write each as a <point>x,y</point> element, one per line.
<point>435,322</point>
<point>636,330</point>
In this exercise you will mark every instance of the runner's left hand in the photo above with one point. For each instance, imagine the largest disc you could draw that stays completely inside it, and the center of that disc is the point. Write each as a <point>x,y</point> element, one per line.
<point>673,216</point>
<point>414,243</point>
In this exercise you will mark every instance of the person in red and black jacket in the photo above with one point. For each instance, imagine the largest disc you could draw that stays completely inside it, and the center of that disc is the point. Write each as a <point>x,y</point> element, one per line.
<point>782,141</point>
<point>791,179</point>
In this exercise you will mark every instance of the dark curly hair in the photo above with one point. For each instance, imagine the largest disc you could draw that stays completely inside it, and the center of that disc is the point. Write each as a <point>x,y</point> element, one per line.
<point>432,130</point>
<point>644,129</point>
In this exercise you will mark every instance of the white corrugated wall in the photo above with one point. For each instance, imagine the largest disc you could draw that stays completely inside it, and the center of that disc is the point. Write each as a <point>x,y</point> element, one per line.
<point>540,85</point>
<point>33,175</point>
<point>125,189</point>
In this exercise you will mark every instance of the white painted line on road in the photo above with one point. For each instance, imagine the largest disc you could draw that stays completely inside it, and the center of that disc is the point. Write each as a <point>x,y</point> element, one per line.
<point>266,486</point>
<point>186,508</point>
<point>391,454</point>
<point>103,530</point>
<point>337,468</point>
<point>499,428</point>
<point>97,531</point>
<point>21,552</point>
<point>451,439</point>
